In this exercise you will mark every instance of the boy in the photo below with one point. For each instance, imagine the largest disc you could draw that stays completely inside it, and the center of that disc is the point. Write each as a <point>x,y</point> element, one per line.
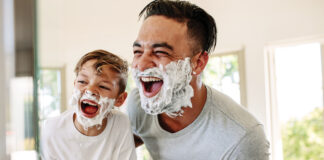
<point>93,130</point>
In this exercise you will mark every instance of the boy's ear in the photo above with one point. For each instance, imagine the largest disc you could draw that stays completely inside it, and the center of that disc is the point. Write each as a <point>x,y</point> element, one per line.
<point>120,99</point>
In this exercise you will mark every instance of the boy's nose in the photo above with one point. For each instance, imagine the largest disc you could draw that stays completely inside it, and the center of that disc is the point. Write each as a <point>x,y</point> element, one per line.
<point>91,91</point>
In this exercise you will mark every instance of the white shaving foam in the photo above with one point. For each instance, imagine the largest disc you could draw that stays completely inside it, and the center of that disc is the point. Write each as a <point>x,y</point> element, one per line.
<point>176,92</point>
<point>106,105</point>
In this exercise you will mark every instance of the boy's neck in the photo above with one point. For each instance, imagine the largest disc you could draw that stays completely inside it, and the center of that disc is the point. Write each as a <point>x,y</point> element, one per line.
<point>91,131</point>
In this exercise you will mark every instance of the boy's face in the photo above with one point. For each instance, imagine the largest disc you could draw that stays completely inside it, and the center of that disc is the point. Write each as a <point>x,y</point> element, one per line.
<point>94,86</point>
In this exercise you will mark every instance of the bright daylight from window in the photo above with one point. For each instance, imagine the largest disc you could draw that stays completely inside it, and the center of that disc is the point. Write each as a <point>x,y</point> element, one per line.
<point>300,101</point>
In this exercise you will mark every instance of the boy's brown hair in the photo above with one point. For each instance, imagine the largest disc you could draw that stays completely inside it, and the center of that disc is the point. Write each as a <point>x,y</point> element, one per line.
<point>106,58</point>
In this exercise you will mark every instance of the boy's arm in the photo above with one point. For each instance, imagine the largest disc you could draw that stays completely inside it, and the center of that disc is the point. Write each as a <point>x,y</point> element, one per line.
<point>44,142</point>
<point>127,150</point>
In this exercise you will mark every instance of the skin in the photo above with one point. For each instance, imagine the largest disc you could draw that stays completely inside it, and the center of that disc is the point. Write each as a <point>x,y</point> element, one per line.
<point>102,84</point>
<point>162,40</point>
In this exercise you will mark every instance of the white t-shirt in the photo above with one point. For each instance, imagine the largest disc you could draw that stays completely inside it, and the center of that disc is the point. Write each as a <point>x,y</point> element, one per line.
<point>61,140</point>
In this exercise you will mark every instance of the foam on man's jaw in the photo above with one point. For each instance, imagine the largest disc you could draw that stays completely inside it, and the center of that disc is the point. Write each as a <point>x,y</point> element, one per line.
<point>175,93</point>
<point>106,105</point>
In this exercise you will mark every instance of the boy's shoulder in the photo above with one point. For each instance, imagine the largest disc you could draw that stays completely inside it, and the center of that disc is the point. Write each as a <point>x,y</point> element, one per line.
<point>120,117</point>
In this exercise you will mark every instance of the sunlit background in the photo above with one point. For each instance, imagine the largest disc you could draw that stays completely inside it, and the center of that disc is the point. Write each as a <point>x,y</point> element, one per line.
<point>269,58</point>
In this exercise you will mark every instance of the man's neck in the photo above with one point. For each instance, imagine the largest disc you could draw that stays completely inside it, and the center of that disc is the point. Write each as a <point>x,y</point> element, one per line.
<point>91,131</point>
<point>189,115</point>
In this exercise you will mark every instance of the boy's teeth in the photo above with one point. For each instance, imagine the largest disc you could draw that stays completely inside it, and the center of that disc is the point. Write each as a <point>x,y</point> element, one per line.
<point>150,79</point>
<point>92,104</point>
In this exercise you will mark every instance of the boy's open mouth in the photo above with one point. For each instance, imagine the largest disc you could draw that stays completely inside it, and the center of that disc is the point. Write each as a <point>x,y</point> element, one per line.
<point>89,108</point>
<point>151,85</point>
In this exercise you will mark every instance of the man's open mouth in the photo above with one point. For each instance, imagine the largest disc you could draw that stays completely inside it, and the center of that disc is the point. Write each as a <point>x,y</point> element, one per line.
<point>89,108</point>
<point>151,85</point>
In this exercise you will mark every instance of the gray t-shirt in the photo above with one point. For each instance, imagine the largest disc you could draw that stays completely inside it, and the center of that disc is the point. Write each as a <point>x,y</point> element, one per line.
<point>223,130</point>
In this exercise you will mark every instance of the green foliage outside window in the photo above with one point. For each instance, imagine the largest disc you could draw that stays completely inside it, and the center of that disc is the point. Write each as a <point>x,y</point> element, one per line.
<point>303,139</point>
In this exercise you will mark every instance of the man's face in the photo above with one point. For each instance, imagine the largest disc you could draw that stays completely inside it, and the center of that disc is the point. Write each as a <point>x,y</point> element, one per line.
<point>95,87</point>
<point>160,41</point>
<point>162,66</point>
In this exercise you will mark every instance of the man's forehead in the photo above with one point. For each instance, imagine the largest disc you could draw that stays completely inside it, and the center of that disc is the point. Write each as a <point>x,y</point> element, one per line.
<point>162,26</point>
<point>161,21</point>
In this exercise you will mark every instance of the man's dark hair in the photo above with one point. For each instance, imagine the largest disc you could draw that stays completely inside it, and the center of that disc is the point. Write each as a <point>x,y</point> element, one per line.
<point>201,26</point>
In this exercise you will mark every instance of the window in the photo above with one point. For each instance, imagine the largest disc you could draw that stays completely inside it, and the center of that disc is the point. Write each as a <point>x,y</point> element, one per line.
<point>50,93</point>
<point>225,72</point>
<point>296,101</point>
<point>20,129</point>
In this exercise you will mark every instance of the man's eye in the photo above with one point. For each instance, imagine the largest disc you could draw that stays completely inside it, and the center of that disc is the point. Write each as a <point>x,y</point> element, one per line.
<point>163,53</point>
<point>137,52</point>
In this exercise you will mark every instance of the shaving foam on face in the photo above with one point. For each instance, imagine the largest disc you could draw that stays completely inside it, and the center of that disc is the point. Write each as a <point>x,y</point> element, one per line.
<point>106,105</point>
<point>176,92</point>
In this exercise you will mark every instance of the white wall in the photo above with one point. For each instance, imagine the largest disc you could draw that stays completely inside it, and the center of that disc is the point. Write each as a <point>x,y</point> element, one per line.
<point>69,29</point>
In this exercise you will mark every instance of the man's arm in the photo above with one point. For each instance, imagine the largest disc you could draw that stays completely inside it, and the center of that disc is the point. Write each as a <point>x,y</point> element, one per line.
<point>138,141</point>
<point>253,146</point>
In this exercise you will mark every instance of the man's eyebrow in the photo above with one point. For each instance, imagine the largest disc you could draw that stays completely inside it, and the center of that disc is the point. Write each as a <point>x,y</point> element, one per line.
<point>163,44</point>
<point>155,45</point>
<point>136,44</point>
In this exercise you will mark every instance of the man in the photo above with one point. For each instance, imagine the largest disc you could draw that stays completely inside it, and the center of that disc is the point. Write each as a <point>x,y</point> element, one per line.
<point>172,111</point>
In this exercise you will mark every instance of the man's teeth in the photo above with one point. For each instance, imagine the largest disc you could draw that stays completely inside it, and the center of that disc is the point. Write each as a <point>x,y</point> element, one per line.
<point>92,104</point>
<point>150,79</point>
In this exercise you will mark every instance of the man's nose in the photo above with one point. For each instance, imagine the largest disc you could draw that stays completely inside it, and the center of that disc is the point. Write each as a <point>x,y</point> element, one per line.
<point>146,61</point>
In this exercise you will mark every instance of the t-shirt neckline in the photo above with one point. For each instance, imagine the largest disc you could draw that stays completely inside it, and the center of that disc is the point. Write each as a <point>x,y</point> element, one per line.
<point>82,136</point>
<point>191,126</point>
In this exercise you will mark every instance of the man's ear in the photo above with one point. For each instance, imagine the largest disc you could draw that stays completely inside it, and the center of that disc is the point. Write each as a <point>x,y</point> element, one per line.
<point>120,99</point>
<point>199,62</point>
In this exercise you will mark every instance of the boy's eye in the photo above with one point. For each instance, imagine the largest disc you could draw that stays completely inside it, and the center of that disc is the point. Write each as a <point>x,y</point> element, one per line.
<point>103,87</point>
<point>82,82</point>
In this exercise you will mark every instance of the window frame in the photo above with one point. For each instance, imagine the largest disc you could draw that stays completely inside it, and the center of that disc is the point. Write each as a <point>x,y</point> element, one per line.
<point>63,107</point>
<point>241,66</point>
<point>272,120</point>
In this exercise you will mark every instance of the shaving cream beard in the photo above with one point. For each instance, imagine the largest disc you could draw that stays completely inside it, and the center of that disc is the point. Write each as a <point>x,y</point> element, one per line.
<point>175,93</point>
<point>106,105</point>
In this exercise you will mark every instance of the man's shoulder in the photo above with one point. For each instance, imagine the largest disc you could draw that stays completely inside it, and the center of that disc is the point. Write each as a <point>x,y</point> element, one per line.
<point>134,103</point>
<point>231,110</point>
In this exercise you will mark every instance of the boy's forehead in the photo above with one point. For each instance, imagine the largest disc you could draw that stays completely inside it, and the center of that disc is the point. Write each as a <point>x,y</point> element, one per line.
<point>104,71</point>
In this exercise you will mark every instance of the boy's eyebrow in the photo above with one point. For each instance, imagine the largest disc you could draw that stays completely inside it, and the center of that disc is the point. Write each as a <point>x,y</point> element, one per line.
<point>84,75</point>
<point>108,82</point>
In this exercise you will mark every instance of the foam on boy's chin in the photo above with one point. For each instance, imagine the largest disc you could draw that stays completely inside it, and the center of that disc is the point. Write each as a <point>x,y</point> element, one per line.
<point>175,92</point>
<point>106,105</point>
